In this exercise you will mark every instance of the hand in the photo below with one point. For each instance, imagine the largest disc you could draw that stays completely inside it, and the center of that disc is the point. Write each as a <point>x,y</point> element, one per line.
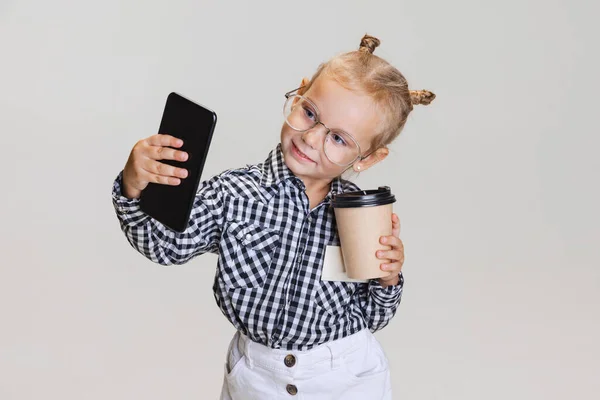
<point>143,166</point>
<point>395,255</point>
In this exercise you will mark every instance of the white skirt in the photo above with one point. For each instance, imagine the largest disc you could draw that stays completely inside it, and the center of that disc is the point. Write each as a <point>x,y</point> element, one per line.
<point>354,367</point>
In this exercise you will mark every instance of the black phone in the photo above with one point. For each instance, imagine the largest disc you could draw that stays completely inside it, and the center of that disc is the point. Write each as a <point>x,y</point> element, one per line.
<point>194,124</point>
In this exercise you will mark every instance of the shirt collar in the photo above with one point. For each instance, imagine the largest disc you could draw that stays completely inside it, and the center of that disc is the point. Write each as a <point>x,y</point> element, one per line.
<point>275,171</point>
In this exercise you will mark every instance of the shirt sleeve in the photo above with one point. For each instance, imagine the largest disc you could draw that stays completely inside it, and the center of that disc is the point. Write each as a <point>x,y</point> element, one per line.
<point>161,244</point>
<point>378,303</point>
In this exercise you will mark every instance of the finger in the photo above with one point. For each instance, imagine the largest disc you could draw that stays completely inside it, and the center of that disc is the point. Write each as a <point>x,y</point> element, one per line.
<point>167,153</point>
<point>161,179</point>
<point>157,168</point>
<point>162,140</point>
<point>392,267</point>
<point>165,180</point>
<point>395,225</point>
<point>391,240</point>
<point>390,254</point>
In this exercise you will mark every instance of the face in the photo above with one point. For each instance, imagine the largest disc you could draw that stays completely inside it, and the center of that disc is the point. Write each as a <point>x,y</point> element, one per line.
<point>339,109</point>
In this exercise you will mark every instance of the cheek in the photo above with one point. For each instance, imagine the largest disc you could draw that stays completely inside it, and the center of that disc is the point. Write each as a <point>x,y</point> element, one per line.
<point>286,133</point>
<point>331,169</point>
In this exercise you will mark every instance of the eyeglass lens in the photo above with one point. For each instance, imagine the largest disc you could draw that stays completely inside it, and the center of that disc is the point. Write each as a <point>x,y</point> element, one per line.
<point>301,115</point>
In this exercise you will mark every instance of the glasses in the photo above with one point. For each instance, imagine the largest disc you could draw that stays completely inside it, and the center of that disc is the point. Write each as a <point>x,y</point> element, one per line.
<point>301,115</point>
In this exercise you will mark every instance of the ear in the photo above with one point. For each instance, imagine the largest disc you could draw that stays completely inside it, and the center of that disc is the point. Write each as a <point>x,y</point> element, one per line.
<point>372,159</point>
<point>305,81</point>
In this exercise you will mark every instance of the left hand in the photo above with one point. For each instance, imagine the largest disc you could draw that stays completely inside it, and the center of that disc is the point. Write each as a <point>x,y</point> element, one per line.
<point>395,254</point>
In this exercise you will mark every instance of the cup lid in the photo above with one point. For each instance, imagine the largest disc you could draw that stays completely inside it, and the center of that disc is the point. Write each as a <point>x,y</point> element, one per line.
<point>363,198</point>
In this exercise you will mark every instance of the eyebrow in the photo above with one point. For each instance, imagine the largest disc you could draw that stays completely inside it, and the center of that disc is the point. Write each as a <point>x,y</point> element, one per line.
<point>335,129</point>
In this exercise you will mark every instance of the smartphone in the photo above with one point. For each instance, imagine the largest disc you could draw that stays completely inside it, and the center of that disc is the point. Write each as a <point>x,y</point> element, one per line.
<point>194,124</point>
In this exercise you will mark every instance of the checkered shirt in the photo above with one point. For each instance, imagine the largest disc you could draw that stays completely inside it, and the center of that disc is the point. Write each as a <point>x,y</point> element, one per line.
<point>270,248</point>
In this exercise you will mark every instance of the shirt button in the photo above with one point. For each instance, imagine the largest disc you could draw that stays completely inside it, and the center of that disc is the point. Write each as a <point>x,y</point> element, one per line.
<point>248,236</point>
<point>292,389</point>
<point>289,361</point>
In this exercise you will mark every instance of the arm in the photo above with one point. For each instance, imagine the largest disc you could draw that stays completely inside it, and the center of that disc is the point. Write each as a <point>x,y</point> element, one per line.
<point>163,245</point>
<point>380,298</point>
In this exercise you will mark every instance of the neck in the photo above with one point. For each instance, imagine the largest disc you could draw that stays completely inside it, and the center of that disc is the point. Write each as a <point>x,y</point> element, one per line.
<point>317,185</point>
<point>316,190</point>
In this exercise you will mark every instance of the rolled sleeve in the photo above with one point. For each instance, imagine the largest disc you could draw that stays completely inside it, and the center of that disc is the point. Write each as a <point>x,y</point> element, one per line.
<point>128,210</point>
<point>378,303</point>
<point>388,296</point>
<point>159,243</point>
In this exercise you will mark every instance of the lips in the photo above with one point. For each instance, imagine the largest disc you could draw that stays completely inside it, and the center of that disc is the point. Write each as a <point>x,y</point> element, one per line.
<point>301,153</point>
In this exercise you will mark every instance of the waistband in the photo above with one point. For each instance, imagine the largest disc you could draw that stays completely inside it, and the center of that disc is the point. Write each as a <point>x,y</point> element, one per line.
<point>324,357</point>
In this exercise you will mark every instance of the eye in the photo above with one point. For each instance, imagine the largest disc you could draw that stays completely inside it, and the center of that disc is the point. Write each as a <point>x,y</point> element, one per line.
<point>338,139</point>
<point>309,113</point>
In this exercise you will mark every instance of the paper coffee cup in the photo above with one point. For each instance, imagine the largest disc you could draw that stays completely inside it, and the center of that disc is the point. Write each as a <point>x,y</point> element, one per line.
<point>362,217</point>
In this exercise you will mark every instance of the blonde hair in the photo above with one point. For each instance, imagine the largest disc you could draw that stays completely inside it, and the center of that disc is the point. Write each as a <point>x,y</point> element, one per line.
<point>362,71</point>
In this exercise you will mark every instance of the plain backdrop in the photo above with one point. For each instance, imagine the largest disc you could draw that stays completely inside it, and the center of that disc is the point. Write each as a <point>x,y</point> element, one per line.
<point>497,184</point>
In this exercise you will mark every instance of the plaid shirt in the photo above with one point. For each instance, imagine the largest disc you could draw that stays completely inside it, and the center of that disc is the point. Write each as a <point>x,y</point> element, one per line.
<point>270,249</point>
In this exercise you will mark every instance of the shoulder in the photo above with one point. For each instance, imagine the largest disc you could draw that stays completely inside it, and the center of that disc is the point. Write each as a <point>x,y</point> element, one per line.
<point>234,180</point>
<point>243,176</point>
<point>348,186</point>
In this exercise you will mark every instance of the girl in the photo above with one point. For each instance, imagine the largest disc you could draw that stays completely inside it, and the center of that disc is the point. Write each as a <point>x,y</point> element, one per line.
<point>269,223</point>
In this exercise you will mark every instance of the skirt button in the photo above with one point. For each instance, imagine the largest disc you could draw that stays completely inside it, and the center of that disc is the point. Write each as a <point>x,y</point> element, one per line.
<point>292,389</point>
<point>289,361</point>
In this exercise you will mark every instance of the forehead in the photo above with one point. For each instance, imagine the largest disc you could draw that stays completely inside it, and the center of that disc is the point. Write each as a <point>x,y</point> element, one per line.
<point>341,108</point>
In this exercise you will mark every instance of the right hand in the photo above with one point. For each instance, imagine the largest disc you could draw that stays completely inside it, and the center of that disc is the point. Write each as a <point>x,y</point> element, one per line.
<point>143,165</point>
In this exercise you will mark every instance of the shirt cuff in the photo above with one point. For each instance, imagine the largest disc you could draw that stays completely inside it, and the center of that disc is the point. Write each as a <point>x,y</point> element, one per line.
<point>386,296</point>
<point>128,210</point>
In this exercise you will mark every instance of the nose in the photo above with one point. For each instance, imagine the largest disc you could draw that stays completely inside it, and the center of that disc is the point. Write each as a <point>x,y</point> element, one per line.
<point>313,137</point>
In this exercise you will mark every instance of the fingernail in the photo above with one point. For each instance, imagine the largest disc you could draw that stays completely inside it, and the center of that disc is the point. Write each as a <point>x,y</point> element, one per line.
<point>383,240</point>
<point>379,253</point>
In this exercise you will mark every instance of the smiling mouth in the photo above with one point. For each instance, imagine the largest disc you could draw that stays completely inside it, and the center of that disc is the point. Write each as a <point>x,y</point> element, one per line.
<point>301,153</point>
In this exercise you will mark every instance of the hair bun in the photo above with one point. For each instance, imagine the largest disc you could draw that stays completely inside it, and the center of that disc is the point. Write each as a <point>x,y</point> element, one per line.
<point>369,43</point>
<point>421,97</point>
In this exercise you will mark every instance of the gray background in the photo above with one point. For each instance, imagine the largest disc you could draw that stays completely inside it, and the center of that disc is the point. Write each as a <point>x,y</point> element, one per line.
<point>497,187</point>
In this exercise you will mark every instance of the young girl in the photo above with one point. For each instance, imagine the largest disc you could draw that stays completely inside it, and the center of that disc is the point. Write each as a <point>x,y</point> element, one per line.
<point>297,336</point>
